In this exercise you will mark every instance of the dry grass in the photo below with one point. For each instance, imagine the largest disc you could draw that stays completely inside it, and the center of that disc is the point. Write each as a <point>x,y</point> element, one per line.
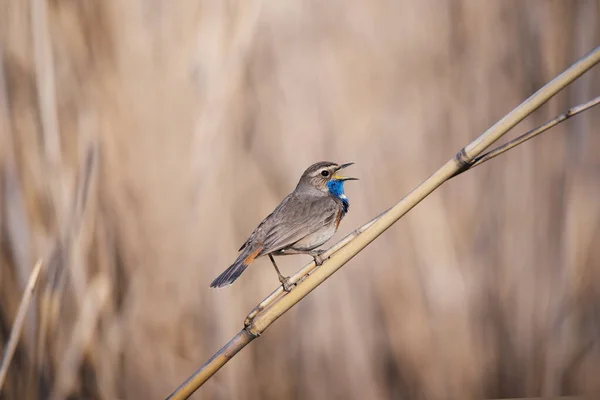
<point>206,113</point>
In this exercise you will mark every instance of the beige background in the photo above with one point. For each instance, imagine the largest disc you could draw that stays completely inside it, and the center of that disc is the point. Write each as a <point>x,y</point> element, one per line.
<point>204,114</point>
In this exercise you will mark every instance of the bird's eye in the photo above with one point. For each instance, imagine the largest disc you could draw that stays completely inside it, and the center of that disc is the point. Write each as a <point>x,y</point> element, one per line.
<point>325,173</point>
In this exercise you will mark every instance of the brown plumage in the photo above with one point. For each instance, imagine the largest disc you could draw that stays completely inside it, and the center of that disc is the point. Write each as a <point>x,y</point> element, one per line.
<point>303,221</point>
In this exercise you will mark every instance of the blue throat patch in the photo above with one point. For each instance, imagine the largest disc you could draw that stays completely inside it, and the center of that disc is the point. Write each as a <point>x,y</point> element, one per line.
<point>336,188</point>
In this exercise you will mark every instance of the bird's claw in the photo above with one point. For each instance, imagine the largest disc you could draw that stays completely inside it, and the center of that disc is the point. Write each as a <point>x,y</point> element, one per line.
<point>286,284</point>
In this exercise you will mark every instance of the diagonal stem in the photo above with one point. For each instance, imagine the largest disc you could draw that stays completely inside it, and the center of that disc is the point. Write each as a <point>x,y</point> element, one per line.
<point>17,327</point>
<point>477,161</point>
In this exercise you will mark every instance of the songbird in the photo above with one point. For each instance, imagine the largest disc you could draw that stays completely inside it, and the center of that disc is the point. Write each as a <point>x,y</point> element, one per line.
<point>304,220</point>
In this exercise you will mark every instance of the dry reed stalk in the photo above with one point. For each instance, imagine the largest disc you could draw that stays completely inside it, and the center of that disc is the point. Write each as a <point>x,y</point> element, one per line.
<point>462,161</point>
<point>17,327</point>
<point>44,71</point>
<point>303,272</point>
<point>50,133</point>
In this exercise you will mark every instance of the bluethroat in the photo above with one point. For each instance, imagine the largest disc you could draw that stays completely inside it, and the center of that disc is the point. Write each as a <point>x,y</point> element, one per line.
<point>307,218</point>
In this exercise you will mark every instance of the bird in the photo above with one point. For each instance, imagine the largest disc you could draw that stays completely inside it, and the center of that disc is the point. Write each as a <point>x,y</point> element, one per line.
<point>304,220</point>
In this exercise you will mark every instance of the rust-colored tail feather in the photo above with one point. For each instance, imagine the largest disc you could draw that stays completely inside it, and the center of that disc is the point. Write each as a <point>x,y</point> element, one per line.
<point>236,269</point>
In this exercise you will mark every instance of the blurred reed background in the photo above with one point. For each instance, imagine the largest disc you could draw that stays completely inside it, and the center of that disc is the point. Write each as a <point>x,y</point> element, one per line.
<point>195,118</point>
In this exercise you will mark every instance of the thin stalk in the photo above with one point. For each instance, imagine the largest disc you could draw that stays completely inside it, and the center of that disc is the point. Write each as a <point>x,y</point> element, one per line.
<point>533,133</point>
<point>17,327</point>
<point>461,161</point>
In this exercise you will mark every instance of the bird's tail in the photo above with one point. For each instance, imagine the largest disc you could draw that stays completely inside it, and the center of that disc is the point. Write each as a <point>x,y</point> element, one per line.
<point>236,269</point>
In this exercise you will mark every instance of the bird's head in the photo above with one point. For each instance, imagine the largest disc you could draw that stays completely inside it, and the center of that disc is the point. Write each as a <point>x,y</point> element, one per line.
<point>324,176</point>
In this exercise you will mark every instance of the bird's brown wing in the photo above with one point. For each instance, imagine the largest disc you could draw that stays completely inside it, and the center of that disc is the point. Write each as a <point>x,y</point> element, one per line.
<point>296,217</point>
<point>299,217</point>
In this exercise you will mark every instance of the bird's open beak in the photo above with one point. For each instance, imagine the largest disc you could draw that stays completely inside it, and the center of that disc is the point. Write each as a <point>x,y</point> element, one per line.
<point>343,178</point>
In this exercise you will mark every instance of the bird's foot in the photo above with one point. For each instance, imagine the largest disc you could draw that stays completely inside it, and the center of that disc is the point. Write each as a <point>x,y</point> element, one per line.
<point>318,256</point>
<point>286,284</point>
